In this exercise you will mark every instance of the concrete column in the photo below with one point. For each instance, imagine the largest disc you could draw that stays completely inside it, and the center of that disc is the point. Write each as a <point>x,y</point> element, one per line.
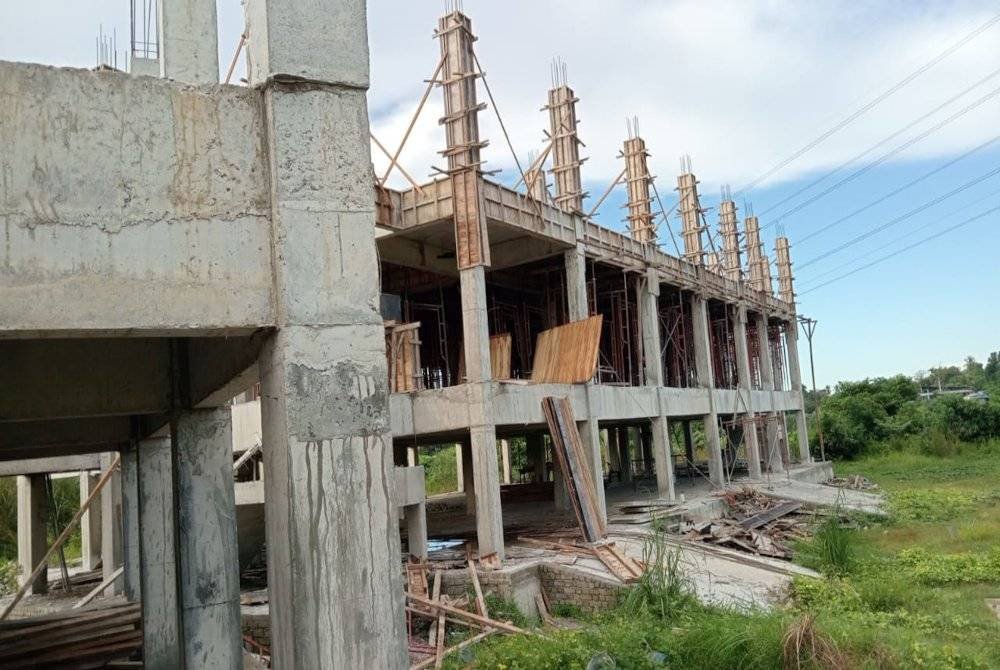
<point>111,527</point>
<point>161,618</point>
<point>590,435</point>
<point>415,517</point>
<point>207,550</point>
<point>475,327</point>
<point>743,370</point>
<point>459,468</point>
<point>412,457</point>
<point>131,534</point>
<point>646,445</point>
<point>535,446</point>
<point>505,461</point>
<point>90,524</point>
<point>662,460</point>
<point>489,520</point>
<point>772,454</point>
<point>468,479</point>
<point>614,457</point>
<point>189,41</point>
<point>334,579</point>
<point>624,452</point>
<point>576,283</point>
<point>795,374</point>
<point>706,379</point>
<point>649,323</point>
<point>32,541</point>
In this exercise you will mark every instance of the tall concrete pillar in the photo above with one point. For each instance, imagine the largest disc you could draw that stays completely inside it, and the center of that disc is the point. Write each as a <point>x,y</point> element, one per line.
<point>706,380</point>
<point>795,374</point>
<point>535,447</point>
<point>468,480</point>
<point>111,527</point>
<point>576,283</point>
<point>459,468</point>
<point>207,555</point>
<point>646,447</point>
<point>590,436</point>
<point>743,371</point>
<point>614,457</point>
<point>772,452</point>
<point>32,515</point>
<point>331,516</point>
<point>505,461</point>
<point>662,459</point>
<point>189,41</point>
<point>161,617</point>
<point>90,524</point>
<point>625,452</point>
<point>131,581</point>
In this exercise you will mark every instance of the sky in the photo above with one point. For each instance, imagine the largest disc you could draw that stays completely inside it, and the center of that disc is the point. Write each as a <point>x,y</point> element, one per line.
<point>740,87</point>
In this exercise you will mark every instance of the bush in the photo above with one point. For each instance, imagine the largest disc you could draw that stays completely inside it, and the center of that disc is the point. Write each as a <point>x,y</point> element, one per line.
<point>832,549</point>
<point>8,577</point>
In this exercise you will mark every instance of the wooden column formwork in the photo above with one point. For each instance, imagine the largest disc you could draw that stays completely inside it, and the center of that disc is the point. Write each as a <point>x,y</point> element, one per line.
<point>565,149</point>
<point>637,181</point>
<point>729,232</point>
<point>690,213</point>
<point>786,289</point>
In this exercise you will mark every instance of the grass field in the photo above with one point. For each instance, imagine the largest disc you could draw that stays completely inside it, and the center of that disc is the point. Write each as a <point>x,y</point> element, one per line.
<point>908,593</point>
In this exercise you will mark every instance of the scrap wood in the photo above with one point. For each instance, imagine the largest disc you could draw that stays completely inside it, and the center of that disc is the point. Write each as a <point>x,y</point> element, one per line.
<point>436,597</point>
<point>554,546</point>
<point>81,637</point>
<point>422,665</point>
<point>568,449</point>
<point>779,510</point>
<point>621,566</point>
<point>467,616</point>
<point>500,356</point>
<point>480,600</point>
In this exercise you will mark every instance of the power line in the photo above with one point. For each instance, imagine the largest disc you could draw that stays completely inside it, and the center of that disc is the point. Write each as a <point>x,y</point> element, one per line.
<point>902,217</point>
<point>886,156</point>
<point>908,233</point>
<point>872,103</point>
<point>891,137</point>
<point>905,249</point>
<point>897,191</point>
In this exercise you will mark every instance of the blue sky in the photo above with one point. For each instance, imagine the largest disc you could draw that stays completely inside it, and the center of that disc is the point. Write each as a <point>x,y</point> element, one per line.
<point>738,86</point>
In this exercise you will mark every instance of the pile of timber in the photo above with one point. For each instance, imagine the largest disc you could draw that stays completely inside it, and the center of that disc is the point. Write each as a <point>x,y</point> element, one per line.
<point>80,638</point>
<point>90,578</point>
<point>568,449</point>
<point>759,525</point>
<point>442,612</point>
<point>618,563</point>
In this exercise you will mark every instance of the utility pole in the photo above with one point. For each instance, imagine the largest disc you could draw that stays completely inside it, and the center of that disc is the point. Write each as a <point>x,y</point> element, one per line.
<point>809,327</point>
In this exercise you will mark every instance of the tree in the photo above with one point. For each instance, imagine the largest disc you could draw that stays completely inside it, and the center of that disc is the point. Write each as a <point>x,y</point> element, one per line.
<point>992,368</point>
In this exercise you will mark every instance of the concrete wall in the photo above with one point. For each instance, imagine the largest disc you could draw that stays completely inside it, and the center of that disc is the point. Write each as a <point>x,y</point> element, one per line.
<point>130,203</point>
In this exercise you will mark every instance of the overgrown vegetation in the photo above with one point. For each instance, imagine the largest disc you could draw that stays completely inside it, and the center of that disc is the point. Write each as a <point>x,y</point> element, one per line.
<point>66,492</point>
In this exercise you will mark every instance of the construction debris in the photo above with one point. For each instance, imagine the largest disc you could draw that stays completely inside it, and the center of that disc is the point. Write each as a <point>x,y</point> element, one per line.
<point>760,525</point>
<point>568,449</point>
<point>79,638</point>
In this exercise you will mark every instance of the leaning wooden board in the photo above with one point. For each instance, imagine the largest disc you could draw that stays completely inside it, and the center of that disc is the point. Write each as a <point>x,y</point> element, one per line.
<point>573,464</point>
<point>567,354</point>
<point>500,356</point>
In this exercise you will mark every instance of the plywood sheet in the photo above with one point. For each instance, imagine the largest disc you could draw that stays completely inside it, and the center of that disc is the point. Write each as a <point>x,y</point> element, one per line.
<point>567,354</point>
<point>500,356</point>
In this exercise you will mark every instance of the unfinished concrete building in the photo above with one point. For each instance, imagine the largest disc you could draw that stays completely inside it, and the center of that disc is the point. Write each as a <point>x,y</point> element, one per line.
<point>233,242</point>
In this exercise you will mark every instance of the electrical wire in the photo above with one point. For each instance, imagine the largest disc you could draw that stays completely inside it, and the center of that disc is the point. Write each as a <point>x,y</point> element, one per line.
<point>905,249</point>
<point>909,233</point>
<point>897,191</point>
<point>872,103</point>
<point>902,217</point>
<point>884,157</point>
<point>881,142</point>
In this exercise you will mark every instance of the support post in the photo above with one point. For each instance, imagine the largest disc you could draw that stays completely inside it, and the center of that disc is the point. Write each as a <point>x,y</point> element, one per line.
<point>468,480</point>
<point>505,460</point>
<point>415,517</point>
<point>649,316</point>
<point>590,436</point>
<point>772,455</point>
<point>130,528</point>
<point>459,468</point>
<point>662,458</point>
<point>795,374</point>
<point>112,512</point>
<point>90,525</point>
<point>706,380</point>
<point>207,554</point>
<point>535,447</point>
<point>32,515</point>
<point>743,369</point>
<point>189,41</point>
<point>324,395</point>
<point>625,452</point>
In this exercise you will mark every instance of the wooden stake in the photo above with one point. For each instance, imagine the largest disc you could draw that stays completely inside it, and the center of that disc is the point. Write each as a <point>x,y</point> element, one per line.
<point>413,121</point>
<point>99,588</point>
<point>232,63</point>
<point>435,661</point>
<point>413,182</point>
<point>480,600</point>
<point>43,564</point>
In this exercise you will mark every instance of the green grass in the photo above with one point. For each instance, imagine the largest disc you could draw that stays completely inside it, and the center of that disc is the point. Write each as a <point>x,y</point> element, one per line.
<point>905,593</point>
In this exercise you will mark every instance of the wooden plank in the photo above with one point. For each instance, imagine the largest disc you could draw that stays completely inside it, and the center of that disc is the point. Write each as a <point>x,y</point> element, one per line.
<point>573,464</point>
<point>468,616</point>
<point>500,348</point>
<point>422,665</point>
<point>567,354</point>
<point>770,515</point>
<point>100,587</point>
<point>439,642</point>
<point>480,600</point>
